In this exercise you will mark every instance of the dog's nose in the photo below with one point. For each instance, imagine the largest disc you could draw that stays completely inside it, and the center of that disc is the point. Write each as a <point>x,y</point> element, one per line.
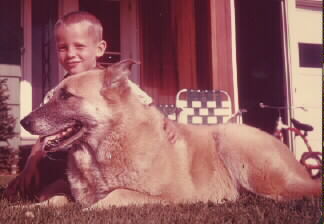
<point>26,123</point>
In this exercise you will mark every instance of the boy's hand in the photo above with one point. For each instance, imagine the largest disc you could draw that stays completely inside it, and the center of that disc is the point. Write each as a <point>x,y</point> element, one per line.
<point>28,180</point>
<point>171,130</point>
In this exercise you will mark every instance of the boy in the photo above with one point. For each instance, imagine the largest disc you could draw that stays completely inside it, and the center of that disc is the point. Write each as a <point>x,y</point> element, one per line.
<point>79,44</point>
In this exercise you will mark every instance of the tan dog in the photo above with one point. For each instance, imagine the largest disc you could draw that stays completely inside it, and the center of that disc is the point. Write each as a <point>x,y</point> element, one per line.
<point>120,154</point>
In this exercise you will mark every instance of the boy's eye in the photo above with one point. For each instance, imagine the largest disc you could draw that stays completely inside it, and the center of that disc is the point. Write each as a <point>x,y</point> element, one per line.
<point>62,48</point>
<point>80,46</point>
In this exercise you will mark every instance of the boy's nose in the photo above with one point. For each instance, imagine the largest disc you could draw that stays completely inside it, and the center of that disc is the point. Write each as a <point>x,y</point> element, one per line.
<point>71,52</point>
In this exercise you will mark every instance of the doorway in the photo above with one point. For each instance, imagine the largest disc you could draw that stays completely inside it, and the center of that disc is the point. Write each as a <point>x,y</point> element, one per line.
<point>175,47</point>
<point>260,61</point>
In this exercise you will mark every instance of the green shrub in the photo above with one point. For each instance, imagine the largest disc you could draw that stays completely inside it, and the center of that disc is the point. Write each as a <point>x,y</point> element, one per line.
<point>7,121</point>
<point>7,126</point>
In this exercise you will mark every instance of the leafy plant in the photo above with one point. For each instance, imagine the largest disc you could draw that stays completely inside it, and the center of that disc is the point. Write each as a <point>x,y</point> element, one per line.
<point>7,121</point>
<point>7,126</point>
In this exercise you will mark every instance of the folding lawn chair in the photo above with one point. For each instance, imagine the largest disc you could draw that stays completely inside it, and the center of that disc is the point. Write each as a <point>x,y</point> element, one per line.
<point>203,106</point>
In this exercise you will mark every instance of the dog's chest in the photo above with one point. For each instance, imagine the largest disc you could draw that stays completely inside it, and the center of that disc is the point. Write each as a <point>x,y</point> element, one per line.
<point>93,175</point>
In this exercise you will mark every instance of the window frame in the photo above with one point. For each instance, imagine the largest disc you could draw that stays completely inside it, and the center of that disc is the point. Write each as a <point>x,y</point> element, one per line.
<point>310,4</point>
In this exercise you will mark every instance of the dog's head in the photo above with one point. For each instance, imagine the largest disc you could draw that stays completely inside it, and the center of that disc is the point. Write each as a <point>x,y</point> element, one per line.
<point>81,104</point>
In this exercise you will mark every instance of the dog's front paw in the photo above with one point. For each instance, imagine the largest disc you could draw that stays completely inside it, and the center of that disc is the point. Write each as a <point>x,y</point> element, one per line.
<point>99,206</point>
<point>55,201</point>
<point>89,209</point>
<point>92,208</point>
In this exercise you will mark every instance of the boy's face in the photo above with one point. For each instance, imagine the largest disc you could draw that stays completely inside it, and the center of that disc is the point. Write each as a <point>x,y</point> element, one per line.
<point>77,49</point>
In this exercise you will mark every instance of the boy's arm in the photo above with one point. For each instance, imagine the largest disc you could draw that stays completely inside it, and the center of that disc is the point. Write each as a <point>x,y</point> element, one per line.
<point>22,183</point>
<point>171,130</point>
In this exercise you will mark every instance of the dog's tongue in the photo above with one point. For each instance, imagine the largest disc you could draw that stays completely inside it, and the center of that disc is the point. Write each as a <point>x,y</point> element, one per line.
<point>51,141</point>
<point>46,142</point>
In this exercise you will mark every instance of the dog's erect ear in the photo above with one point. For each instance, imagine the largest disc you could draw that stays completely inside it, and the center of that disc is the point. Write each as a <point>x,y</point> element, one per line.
<point>117,74</point>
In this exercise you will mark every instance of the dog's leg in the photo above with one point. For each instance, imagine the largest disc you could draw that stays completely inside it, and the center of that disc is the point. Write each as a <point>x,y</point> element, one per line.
<point>56,194</point>
<point>58,187</point>
<point>55,201</point>
<point>124,197</point>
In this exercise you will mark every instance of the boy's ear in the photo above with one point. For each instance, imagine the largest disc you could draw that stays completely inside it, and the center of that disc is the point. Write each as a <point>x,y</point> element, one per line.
<point>101,48</point>
<point>117,74</point>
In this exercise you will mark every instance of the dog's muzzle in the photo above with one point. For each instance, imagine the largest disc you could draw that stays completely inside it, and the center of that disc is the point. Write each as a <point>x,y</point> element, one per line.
<point>56,139</point>
<point>26,123</point>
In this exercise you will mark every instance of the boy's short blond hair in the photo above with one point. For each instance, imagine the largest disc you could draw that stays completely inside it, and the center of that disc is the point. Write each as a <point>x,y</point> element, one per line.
<point>95,25</point>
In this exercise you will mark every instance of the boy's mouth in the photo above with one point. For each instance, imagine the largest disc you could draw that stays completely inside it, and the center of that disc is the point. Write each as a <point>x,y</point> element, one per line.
<point>72,64</point>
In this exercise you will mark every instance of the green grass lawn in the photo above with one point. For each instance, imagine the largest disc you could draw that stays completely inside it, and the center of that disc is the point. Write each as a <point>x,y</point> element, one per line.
<point>249,209</point>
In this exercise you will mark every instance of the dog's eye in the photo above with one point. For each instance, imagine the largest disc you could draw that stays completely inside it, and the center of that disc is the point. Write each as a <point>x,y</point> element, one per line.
<point>65,95</point>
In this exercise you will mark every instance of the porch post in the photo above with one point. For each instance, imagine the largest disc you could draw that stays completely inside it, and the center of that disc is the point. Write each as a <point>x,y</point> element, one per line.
<point>130,35</point>
<point>221,46</point>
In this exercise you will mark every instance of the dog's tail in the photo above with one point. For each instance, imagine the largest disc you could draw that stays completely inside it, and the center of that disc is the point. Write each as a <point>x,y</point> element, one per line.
<point>315,187</point>
<point>306,188</point>
<point>280,177</point>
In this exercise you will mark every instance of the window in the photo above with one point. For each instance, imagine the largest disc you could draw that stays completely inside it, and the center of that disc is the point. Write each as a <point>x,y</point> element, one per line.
<point>310,55</point>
